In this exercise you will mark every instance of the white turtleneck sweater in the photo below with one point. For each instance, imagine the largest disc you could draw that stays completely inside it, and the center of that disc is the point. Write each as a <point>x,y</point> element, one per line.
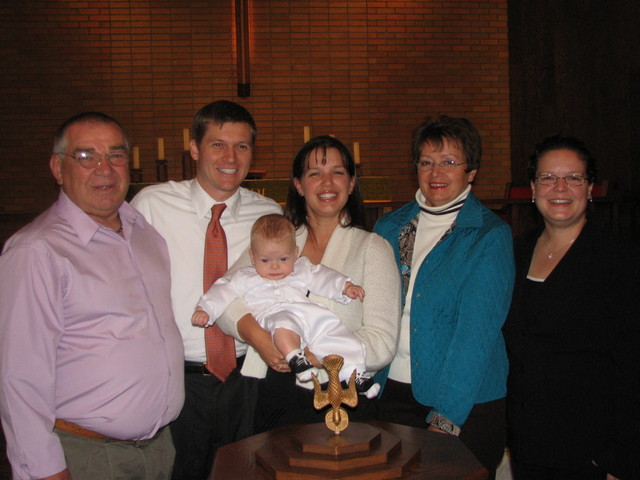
<point>430,230</point>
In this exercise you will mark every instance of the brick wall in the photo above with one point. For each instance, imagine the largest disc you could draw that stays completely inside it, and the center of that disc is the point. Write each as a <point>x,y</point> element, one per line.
<point>365,71</point>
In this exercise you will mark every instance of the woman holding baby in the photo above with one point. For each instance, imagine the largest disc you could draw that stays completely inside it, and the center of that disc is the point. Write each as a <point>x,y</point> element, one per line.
<point>325,206</point>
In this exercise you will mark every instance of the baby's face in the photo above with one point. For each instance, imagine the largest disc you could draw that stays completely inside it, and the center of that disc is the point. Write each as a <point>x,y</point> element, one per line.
<point>274,260</point>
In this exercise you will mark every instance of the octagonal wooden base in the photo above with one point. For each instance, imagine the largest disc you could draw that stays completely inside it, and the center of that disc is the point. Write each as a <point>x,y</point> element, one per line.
<point>359,452</point>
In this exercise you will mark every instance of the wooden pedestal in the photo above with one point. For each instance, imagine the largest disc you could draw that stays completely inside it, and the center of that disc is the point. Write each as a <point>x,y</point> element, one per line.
<point>360,452</point>
<point>371,451</point>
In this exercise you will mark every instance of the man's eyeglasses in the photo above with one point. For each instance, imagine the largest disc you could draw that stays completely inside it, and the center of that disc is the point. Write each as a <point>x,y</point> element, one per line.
<point>570,180</point>
<point>94,159</point>
<point>446,165</point>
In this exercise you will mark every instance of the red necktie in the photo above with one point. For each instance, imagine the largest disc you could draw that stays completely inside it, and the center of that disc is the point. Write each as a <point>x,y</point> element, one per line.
<point>220,348</point>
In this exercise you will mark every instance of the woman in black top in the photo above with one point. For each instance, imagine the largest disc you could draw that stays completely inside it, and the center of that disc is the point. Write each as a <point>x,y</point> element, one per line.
<point>573,336</point>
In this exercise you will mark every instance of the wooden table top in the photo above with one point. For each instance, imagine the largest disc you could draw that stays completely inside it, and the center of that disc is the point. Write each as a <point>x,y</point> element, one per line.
<point>443,457</point>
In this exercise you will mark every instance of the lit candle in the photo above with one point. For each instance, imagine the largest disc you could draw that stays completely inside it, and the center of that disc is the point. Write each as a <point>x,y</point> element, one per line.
<point>185,138</point>
<point>307,133</point>
<point>356,152</point>
<point>136,157</point>
<point>161,149</point>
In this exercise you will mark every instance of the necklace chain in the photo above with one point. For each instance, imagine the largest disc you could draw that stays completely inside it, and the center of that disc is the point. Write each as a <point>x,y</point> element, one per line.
<point>552,254</point>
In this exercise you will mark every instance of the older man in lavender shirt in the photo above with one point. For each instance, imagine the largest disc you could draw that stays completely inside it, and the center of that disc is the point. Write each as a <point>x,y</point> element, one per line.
<point>91,360</point>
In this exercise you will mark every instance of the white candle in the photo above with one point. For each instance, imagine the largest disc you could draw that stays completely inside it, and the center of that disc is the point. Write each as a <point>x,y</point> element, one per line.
<point>161,149</point>
<point>136,157</point>
<point>307,133</point>
<point>185,138</point>
<point>356,152</point>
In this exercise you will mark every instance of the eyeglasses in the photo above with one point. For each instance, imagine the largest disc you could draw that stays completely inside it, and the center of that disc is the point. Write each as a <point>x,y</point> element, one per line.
<point>93,159</point>
<point>446,165</point>
<point>570,180</point>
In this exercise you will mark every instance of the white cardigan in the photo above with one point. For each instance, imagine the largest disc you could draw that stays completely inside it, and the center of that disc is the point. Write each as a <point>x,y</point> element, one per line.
<point>368,260</point>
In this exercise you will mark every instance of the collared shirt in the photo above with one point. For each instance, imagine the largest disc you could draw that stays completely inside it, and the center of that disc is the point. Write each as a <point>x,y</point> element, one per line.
<point>181,212</point>
<point>86,334</point>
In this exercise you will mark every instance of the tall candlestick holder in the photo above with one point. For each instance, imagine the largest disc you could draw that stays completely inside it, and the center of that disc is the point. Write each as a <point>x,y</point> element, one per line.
<point>188,165</point>
<point>161,170</point>
<point>136,175</point>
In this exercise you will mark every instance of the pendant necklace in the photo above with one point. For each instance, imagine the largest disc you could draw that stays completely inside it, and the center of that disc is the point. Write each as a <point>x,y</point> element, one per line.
<point>552,254</point>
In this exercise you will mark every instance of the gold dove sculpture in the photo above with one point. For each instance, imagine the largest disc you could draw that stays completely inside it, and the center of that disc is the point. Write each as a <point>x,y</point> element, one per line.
<point>336,419</point>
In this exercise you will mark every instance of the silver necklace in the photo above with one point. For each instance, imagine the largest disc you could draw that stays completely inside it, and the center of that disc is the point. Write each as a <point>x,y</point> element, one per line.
<point>552,254</point>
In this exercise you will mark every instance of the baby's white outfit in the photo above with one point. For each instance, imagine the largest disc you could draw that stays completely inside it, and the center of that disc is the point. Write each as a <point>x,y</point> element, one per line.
<point>285,304</point>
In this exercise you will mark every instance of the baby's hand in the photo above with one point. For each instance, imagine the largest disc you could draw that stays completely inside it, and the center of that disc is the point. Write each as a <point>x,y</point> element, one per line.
<point>353,291</point>
<point>200,318</point>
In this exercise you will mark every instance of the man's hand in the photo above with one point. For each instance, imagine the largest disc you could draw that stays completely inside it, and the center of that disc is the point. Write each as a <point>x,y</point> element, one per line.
<point>253,334</point>
<point>63,475</point>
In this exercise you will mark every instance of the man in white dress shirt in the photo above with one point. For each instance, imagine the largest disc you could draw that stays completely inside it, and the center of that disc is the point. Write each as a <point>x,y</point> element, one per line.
<point>215,412</point>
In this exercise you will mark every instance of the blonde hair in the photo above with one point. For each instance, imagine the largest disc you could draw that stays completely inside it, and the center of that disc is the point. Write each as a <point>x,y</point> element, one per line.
<point>273,227</point>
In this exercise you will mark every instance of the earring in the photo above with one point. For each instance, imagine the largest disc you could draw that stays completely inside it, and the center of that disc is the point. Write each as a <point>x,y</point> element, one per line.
<point>590,199</point>
<point>533,199</point>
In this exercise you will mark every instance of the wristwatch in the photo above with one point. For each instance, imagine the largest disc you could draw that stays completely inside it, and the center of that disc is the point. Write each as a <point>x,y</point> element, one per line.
<point>444,424</point>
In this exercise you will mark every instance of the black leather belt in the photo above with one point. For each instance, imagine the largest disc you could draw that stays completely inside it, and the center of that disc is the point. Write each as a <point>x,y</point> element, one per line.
<point>196,367</point>
<point>201,369</point>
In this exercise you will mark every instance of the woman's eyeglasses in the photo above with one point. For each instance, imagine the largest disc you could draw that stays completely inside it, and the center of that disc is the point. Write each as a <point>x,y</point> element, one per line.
<point>570,180</point>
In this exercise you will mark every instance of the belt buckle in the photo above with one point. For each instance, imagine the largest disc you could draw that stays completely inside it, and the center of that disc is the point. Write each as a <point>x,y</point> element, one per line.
<point>205,372</point>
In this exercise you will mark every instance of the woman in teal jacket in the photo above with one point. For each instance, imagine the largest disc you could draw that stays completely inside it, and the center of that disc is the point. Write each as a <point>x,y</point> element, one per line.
<point>455,257</point>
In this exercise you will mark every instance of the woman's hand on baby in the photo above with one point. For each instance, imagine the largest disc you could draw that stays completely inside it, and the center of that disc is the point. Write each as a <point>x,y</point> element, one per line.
<point>353,291</point>
<point>200,318</point>
<point>253,334</point>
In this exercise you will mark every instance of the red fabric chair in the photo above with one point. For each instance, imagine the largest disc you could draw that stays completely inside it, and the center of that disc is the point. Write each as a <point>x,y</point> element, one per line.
<point>600,189</point>
<point>518,191</point>
<point>517,219</point>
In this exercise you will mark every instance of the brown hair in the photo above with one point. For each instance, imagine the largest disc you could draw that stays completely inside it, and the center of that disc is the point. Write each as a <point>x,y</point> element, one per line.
<point>219,113</point>
<point>459,131</point>
<point>273,227</point>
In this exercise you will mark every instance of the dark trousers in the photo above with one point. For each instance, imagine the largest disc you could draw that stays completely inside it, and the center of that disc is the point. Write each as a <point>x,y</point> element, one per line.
<point>526,471</point>
<point>282,402</point>
<point>214,414</point>
<point>484,432</point>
